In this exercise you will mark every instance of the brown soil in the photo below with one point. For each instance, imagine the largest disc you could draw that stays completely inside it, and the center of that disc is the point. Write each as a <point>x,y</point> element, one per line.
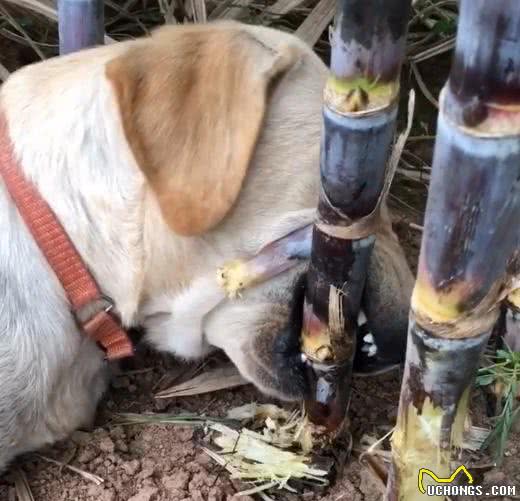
<point>166,463</point>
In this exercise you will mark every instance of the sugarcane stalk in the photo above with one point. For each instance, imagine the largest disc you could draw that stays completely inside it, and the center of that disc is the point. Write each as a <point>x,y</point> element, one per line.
<point>80,24</point>
<point>470,237</point>
<point>359,115</point>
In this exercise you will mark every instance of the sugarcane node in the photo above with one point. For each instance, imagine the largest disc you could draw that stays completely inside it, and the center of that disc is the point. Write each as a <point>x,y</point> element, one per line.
<point>360,96</point>
<point>481,118</point>
<point>315,337</point>
<point>438,304</point>
<point>455,359</point>
<point>483,91</point>
<point>345,227</point>
<point>327,347</point>
<point>513,300</point>
<point>456,309</point>
<point>462,327</point>
<point>357,230</point>
<point>328,332</point>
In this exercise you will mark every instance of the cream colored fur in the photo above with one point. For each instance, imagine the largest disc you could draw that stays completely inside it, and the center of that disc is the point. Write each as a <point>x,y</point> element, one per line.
<point>64,124</point>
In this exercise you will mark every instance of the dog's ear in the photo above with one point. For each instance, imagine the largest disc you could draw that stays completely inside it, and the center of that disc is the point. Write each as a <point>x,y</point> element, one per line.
<point>192,100</point>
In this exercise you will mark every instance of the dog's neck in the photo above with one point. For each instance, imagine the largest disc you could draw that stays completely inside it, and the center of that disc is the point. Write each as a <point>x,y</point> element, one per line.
<point>70,144</point>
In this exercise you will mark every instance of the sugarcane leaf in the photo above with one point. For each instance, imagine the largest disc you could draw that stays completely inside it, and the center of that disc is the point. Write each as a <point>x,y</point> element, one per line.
<point>445,27</point>
<point>220,378</point>
<point>485,379</point>
<point>506,355</point>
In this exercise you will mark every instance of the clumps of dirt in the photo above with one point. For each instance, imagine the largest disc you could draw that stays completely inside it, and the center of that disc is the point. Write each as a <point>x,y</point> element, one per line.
<point>137,463</point>
<point>140,462</point>
<point>154,462</point>
<point>159,462</point>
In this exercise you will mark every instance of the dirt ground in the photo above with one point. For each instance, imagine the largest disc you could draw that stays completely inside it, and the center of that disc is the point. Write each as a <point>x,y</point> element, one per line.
<point>166,463</point>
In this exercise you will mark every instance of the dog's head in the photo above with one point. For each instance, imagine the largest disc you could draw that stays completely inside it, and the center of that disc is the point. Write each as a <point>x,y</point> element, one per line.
<point>205,107</point>
<point>261,332</point>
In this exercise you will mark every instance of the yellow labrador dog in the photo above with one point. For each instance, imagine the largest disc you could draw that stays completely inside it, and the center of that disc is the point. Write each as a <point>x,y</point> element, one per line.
<point>163,158</point>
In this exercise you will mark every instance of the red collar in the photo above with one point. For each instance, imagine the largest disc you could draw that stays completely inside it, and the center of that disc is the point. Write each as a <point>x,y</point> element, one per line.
<point>89,306</point>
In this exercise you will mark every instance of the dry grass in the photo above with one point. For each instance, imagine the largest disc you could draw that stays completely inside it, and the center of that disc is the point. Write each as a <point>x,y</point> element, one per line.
<point>209,381</point>
<point>82,473</point>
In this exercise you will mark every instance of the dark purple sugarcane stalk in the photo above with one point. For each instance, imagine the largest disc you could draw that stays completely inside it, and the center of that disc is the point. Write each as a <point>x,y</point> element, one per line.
<point>81,24</point>
<point>471,235</point>
<point>359,115</point>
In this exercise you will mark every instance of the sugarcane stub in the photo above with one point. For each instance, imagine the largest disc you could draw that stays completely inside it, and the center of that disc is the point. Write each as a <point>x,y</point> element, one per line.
<point>482,96</point>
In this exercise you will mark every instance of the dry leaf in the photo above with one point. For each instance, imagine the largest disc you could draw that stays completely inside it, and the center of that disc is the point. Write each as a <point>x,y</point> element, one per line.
<point>21,485</point>
<point>221,378</point>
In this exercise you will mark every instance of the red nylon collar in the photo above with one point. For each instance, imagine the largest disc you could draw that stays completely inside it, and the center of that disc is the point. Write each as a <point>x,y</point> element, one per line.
<point>80,286</point>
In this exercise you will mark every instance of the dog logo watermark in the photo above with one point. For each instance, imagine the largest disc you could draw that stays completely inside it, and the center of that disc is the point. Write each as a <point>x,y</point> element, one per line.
<point>445,486</point>
<point>449,480</point>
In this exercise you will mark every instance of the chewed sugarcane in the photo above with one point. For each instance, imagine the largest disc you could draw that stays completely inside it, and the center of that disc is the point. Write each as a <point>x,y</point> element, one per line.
<point>81,24</point>
<point>470,237</point>
<point>273,259</point>
<point>359,115</point>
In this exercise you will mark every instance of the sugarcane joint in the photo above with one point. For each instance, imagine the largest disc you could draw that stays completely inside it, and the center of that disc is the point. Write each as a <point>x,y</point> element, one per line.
<point>359,116</point>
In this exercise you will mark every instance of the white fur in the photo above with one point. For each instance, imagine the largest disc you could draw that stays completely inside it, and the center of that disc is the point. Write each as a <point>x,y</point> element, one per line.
<point>66,132</point>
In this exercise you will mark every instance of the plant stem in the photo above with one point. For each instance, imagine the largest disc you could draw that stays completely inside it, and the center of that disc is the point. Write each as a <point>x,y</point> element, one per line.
<point>470,238</point>
<point>81,24</point>
<point>359,117</point>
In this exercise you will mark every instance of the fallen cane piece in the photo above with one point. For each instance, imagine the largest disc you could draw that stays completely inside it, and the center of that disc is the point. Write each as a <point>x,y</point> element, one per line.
<point>273,259</point>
